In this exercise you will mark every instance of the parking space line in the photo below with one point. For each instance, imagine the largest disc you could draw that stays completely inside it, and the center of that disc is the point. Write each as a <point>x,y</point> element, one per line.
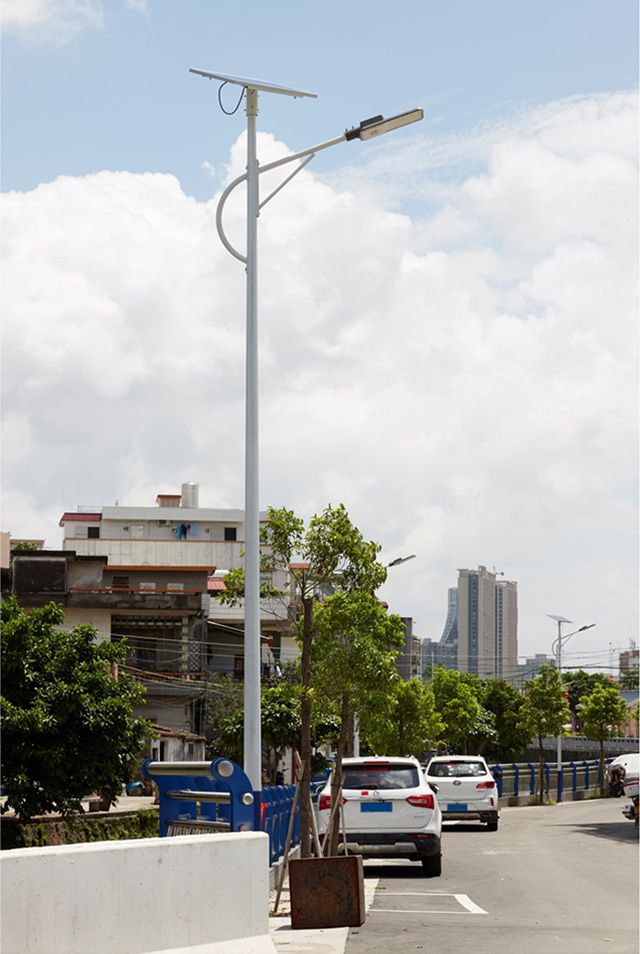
<point>470,907</point>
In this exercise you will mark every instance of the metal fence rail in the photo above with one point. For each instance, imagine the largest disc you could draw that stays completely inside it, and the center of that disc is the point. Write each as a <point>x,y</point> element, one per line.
<point>277,802</point>
<point>219,796</point>
<point>519,779</point>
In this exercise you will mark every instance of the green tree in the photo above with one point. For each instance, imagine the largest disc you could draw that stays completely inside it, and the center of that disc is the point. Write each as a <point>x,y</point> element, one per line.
<point>280,722</point>
<point>467,724</point>
<point>544,712</point>
<point>402,720</point>
<point>330,554</point>
<point>67,728</point>
<point>580,683</point>
<point>600,714</point>
<point>223,698</point>
<point>353,654</point>
<point>504,703</point>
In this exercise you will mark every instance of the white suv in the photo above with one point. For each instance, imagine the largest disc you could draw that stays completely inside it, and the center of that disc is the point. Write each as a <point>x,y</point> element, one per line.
<point>390,811</point>
<point>466,788</point>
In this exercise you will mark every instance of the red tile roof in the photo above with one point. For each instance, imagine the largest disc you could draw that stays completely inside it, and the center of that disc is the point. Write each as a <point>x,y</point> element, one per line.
<point>84,517</point>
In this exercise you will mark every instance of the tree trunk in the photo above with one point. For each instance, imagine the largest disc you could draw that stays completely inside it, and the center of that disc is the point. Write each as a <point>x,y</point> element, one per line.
<point>541,779</point>
<point>305,729</point>
<point>336,783</point>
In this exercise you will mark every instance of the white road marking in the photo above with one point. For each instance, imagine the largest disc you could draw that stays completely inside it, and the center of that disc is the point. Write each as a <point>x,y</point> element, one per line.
<point>470,907</point>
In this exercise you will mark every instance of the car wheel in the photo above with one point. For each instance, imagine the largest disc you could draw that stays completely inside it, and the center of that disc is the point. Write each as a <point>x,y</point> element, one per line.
<point>432,866</point>
<point>492,825</point>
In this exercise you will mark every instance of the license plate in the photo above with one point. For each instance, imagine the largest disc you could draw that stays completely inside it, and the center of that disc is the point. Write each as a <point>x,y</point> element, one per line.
<point>457,807</point>
<point>375,806</point>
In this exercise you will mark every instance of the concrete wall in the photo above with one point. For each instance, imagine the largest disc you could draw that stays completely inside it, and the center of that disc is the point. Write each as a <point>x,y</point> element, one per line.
<point>206,894</point>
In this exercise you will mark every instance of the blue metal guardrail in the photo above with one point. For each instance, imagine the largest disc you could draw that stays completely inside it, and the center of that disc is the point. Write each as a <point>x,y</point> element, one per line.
<point>519,779</point>
<point>277,802</point>
<point>199,797</point>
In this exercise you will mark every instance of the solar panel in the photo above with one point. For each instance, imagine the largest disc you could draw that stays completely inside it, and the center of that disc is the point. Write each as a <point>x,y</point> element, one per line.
<point>254,84</point>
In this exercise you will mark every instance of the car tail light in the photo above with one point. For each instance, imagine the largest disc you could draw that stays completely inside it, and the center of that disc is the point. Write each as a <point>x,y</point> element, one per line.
<point>324,804</point>
<point>421,801</point>
<point>486,785</point>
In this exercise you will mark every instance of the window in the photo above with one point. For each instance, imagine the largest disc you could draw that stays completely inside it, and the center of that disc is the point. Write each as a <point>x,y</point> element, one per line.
<point>120,583</point>
<point>93,533</point>
<point>230,533</point>
<point>381,776</point>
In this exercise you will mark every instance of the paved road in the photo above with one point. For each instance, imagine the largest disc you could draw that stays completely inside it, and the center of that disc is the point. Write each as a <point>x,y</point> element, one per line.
<point>552,880</point>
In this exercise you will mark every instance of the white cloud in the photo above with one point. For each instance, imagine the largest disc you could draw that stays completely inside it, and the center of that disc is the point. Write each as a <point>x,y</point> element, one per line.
<point>465,383</point>
<point>52,21</point>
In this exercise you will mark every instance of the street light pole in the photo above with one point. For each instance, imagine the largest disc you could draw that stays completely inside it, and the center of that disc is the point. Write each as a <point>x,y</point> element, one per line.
<point>558,644</point>
<point>366,130</point>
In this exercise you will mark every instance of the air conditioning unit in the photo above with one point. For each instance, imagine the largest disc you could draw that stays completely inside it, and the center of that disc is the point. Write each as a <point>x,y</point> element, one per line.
<point>162,523</point>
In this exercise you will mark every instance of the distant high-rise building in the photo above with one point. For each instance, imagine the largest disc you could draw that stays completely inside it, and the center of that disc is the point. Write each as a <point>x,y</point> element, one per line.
<point>487,624</point>
<point>448,647</point>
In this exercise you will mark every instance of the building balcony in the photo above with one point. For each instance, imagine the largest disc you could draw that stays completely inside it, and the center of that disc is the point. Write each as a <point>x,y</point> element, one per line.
<point>117,599</point>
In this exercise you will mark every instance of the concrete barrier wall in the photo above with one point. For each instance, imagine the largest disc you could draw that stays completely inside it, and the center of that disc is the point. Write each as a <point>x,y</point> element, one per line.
<point>204,894</point>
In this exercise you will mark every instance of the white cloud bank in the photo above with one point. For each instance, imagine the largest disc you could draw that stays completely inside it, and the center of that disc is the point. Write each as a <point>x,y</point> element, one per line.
<point>465,383</point>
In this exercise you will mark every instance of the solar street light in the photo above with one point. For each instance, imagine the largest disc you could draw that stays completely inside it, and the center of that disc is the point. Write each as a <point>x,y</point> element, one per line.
<point>366,130</point>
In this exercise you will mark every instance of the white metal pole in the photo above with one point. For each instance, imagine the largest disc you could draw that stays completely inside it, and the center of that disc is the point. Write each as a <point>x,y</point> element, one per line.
<point>559,660</point>
<point>252,720</point>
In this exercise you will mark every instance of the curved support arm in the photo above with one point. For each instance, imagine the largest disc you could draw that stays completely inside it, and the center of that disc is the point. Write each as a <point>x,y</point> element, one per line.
<point>223,238</point>
<point>267,168</point>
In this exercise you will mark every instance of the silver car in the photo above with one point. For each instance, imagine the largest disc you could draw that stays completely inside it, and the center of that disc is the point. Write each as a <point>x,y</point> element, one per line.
<point>390,811</point>
<point>466,788</point>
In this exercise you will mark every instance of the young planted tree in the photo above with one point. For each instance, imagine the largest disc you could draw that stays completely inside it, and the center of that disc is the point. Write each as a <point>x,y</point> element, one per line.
<point>544,713</point>
<point>353,655</point>
<point>600,714</point>
<point>330,554</point>
<point>67,727</point>
<point>401,720</point>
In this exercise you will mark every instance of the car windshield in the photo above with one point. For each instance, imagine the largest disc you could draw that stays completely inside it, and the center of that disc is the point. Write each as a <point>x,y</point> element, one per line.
<point>456,769</point>
<point>380,776</point>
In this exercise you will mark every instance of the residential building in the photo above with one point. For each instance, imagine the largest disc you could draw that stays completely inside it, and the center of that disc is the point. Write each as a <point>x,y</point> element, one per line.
<point>487,624</point>
<point>160,611</point>
<point>177,532</point>
<point>629,659</point>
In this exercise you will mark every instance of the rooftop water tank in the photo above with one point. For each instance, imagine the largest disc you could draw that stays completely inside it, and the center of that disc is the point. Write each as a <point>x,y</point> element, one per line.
<point>190,493</point>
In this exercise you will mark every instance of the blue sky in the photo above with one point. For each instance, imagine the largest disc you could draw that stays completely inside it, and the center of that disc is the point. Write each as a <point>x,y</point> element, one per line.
<point>118,95</point>
<point>448,314</point>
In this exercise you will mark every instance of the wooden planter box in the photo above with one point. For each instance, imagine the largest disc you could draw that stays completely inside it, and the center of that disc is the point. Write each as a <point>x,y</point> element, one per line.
<point>326,892</point>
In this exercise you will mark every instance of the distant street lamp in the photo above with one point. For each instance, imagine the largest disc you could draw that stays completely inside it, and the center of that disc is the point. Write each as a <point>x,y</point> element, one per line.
<point>400,560</point>
<point>557,649</point>
<point>368,129</point>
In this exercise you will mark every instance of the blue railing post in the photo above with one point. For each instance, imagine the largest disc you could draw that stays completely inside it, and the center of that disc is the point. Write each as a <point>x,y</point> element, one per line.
<point>560,782</point>
<point>516,779</point>
<point>496,771</point>
<point>181,783</point>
